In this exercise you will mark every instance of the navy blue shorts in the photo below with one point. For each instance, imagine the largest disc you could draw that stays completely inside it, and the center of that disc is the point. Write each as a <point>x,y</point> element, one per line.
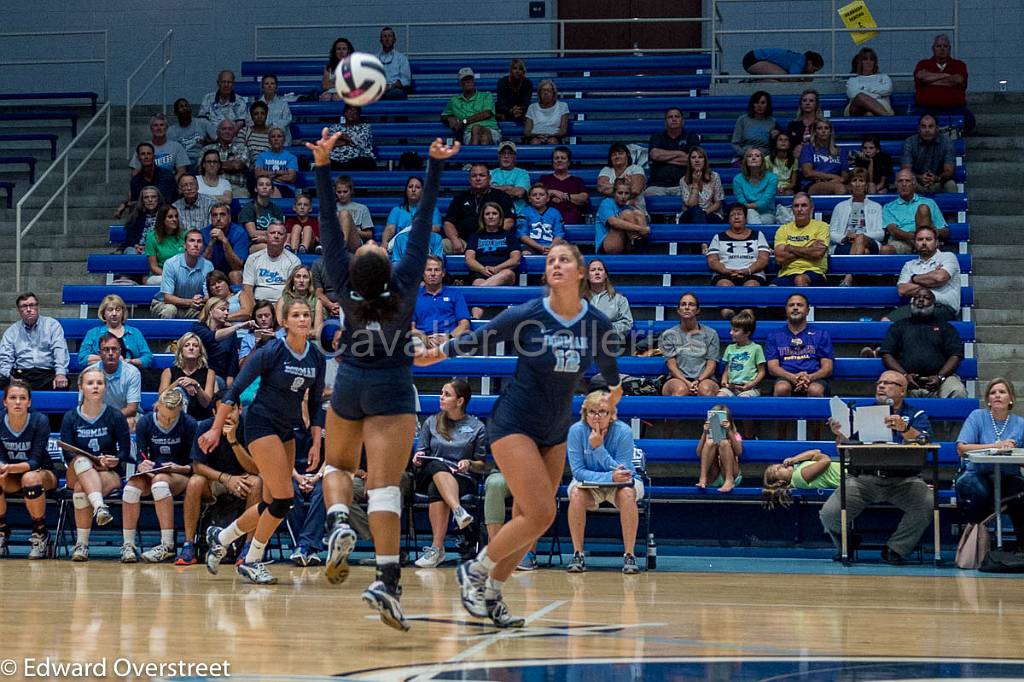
<point>505,421</point>
<point>844,249</point>
<point>376,392</point>
<point>257,426</point>
<point>817,280</point>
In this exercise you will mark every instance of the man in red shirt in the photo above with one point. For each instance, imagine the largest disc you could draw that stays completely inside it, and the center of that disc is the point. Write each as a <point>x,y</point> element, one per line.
<point>940,84</point>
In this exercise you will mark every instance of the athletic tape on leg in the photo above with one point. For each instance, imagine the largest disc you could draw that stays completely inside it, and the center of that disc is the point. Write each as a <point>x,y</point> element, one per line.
<point>81,465</point>
<point>387,499</point>
<point>328,469</point>
<point>161,490</point>
<point>80,501</point>
<point>131,494</point>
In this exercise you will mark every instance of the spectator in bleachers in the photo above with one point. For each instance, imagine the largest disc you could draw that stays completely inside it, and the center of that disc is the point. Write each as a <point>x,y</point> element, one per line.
<point>354,149</point>
<point>219,336</point>
<point>325,292</point>
<point>218,284</point>
<point>908,493</point>
<point>757,127</point>
<point>600,451</point>
<point>908,211</point>
<point>279,114</point>
<point>603,296</point>
<point>513,181</point>
<point>856,227</point>
<point>340,48</point>
<point>259,214</point>
<point>396,66</point>
<point>33,349</point>
<point>191,133</point>
<point>399,223</point>
<point>720,460</point>
<point>124,381</point>
<point>876,162</point>
<point>164,440</point>
<point>868,90</point>
<point>441,312</point>
<point>799,356</point>
<point>263,329</point>
<point>823,165</point>
<point>450,451</point>
<point>279,164</point>
<point>471,114</point>
<point>256,135</point>
<point>303,228</point>
<point>669,153</point>
<point>739,256</point>
<point>344,190</point>
<point>539,224</point>
<point>193,208</point>
<point>801,129</point>
<point>620,166</point>
<point>492,252</point>
<point>299,287</point>
<point>567,192</point>
<point>701,189</point>
<point>267,270</point>
<point>165,240</point>
<point>225,243</point>
<point>547,119</point>
<point>929,154</point>
<point>776,61</point>
<point>932,269</point>
<point>308,514</point>
<point>226,470</point>
<point>801,247</point>
<point>192,376</point>
<point>212,182</point>
<point>183,284</point>
<point>167,153</point>
<point>103,432</point>
<point>515,91</point>
<point>783,163</point>
<point>149,175</point>
<point>25,466</point>
<point>755,188</point>
<point>809,470</point>
<point>141,219</point>
<point>996,427</point>
<point>940,84</point>
<point>234,158</point>
<point>223,104</point>
<point>926,350</point>
<point>743,360</point>
<point>618,224</point>
<point>463,216</point>
<point>114,314</point>
<point>690,351</point>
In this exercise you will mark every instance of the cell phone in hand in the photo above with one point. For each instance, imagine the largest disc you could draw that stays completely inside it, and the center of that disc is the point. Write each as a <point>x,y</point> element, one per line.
<point>715,428</point>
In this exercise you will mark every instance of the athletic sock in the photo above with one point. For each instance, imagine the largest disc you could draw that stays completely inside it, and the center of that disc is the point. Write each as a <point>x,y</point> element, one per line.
<point>492,589</point>
<point>383,559</point>
<point>167,537</point>
<point>230,534</point>
<point>485,561</point>
<point>255,553</point>
<point>338,508</point>
<point>83,536</point>
<point>128,535</point>
<point>96,500</point>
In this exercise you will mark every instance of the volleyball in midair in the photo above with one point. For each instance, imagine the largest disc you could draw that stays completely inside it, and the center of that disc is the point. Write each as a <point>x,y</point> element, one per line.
<point>359,79</point>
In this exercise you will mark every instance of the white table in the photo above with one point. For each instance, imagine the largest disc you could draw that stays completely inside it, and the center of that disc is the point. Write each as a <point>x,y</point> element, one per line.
<point>1016,456</point>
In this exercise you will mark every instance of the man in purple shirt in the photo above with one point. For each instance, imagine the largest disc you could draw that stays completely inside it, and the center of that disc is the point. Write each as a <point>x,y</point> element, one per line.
<point>799,356</point>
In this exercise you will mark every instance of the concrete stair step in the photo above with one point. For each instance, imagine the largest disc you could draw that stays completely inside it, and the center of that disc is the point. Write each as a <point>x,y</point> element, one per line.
<point>999,352</point>
<point>993,316</point>
<point>1001,333</point>
<point>996,270</point>
<point>987,253</point>
<point>998,299</point>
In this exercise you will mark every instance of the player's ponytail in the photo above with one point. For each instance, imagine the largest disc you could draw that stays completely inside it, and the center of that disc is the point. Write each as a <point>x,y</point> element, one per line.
<point>370,277</point>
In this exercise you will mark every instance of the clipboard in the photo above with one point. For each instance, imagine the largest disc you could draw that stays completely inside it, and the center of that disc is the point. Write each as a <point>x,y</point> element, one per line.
<point>79,452</point>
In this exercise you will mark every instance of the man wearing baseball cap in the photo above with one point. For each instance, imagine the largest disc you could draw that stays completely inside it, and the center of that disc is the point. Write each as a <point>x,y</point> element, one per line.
<point>471,114</point>
<point>513,181</point>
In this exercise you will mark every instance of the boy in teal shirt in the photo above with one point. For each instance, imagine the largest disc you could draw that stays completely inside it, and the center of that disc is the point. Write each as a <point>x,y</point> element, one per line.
<point>743,359</point>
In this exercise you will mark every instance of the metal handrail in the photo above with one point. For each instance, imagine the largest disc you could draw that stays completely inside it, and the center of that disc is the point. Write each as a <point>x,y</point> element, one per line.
<point>62,160</point>
<point>37,62</point>
<point>161,73</point>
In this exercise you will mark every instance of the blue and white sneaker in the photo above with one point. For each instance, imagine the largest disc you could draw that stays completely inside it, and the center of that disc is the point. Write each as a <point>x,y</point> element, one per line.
<point>340,543</point>
<point>472,579</point>
<point>256,573</point>
<point>379,597</point>
<point>497,611</point>
<point>216,550</point>
<point>528,563</point>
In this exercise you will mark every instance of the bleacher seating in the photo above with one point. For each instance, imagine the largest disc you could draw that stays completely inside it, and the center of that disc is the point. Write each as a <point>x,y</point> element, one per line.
<point>8,188</point>
<point>41,115</point>
<point>50,138</point>
<point>50,96</point>
<point>29,161</point>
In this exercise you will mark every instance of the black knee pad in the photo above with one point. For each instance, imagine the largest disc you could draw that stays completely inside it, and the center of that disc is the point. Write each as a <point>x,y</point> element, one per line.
<point>279,507</point>
<point>31,492</point>
<point>262,506</point>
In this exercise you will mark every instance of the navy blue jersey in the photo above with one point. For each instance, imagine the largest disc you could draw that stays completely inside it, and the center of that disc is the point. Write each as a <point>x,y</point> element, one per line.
<point>222,457</point>
<point>553,355</point>
<point>107,434</point>
<point>284,379</point>
<point>29,444</point>
<point>384,344</point>
<point>172,446</point>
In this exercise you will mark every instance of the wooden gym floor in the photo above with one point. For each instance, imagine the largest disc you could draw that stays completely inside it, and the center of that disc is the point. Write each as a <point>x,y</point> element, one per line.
<point>726,624</point>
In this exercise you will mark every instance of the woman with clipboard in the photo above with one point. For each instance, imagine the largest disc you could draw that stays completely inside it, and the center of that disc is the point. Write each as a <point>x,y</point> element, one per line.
<point>97,444</point>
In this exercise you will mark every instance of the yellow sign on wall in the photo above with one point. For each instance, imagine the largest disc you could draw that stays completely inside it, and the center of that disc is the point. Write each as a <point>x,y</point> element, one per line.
<point>857,15</point>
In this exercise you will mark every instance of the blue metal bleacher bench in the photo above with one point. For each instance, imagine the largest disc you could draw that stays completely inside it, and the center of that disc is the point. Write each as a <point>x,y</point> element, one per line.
<point>39,115</point>
<point>50,96</point>
<point>8,188</point>
<point>51,138</point>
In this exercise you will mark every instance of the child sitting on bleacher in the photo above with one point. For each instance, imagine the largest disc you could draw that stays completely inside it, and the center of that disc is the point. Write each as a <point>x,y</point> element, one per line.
<point>743,359</point>
<point>343,192</point>
<point>810,470</point>
<point>303,229</point>
<point>539,225</point>
<point>618,224</point>
<point>719,450</point>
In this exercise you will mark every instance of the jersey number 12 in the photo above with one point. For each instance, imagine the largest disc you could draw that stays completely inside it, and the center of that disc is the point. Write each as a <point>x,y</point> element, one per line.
<point>567,360</point>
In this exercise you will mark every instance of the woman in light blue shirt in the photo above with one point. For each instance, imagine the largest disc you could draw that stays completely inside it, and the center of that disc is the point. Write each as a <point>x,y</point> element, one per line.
<point>114,314</point>
<point>755,188</point>
<point>400,218</point>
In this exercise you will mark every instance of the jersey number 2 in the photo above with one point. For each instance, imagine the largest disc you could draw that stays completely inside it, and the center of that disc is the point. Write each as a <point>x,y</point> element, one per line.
<point>567,360</point>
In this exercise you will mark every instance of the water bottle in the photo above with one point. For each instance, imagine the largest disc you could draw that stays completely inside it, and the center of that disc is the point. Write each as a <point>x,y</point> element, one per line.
<point>652,553</point>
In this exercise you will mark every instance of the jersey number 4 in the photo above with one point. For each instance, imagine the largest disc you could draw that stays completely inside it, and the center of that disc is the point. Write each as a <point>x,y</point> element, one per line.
<point>567,360</point>
<point>94,444</point>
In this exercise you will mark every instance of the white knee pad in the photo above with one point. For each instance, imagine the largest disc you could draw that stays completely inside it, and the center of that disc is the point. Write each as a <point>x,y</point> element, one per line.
<point>81,465</point>
<point>387,499</point>
<point>328,469</point>
<point>160,490</point>
<point>80,500</point>
<point>131,495</point>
